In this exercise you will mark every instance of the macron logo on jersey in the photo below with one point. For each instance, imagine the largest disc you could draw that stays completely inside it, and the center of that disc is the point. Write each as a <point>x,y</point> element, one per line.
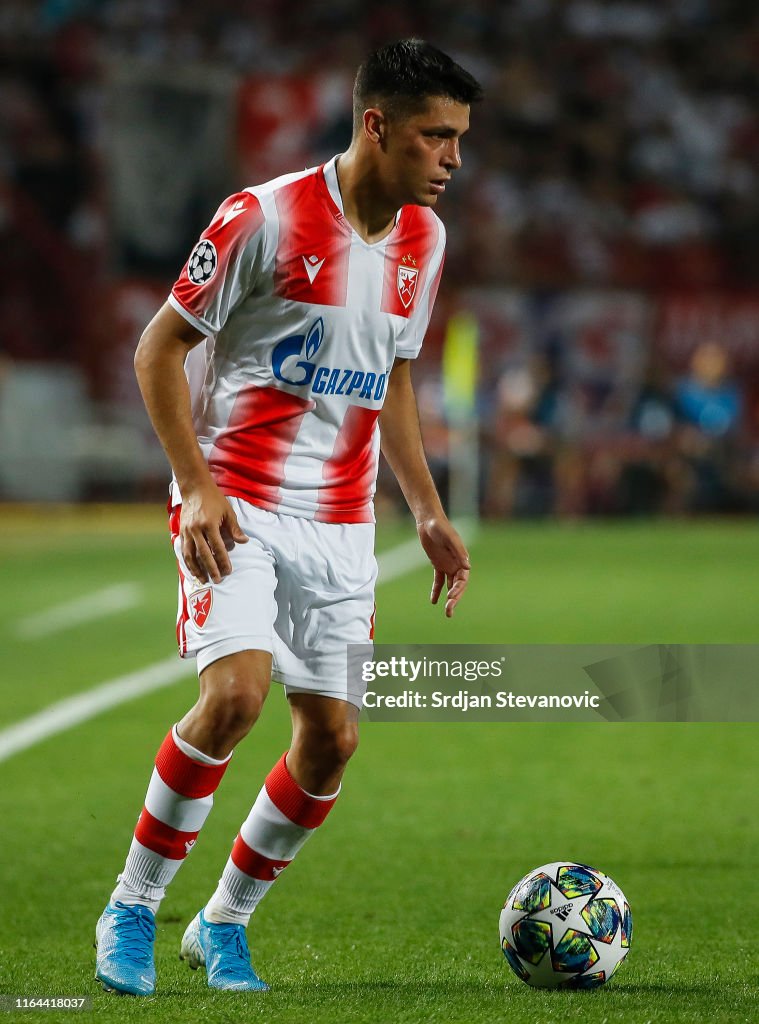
<point>313,265</point>
<point>236,210</point>
<point>322,380</point>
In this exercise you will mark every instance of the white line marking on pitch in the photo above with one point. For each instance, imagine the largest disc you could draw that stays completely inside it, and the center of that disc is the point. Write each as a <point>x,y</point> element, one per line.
<point>81,707</point>
<point>118,598</point>
<point>65,714</point>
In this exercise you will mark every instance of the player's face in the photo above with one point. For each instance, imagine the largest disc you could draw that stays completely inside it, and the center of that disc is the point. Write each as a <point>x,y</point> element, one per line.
<point>422,151</point>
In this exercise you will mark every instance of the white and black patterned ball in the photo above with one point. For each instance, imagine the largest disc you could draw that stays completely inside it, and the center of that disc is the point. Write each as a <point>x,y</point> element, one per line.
<point>203,262</point>
<point>565,925</point>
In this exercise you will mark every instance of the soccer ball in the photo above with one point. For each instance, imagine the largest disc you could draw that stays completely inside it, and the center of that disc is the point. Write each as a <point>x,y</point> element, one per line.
<point>565,925</point>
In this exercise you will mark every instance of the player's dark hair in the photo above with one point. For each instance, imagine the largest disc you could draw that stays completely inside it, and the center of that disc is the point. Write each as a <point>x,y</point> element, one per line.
<point>401,76</point>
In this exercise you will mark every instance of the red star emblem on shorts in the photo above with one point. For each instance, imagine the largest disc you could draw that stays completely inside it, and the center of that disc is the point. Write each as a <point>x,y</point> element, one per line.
<point>200,606</point>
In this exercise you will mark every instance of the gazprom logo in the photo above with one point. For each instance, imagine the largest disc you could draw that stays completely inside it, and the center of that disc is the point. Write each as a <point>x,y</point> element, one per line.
<point>322,380</point>
<point>294,347</point>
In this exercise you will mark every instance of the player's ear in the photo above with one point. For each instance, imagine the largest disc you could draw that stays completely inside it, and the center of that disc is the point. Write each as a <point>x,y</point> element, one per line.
<point>374,124</point>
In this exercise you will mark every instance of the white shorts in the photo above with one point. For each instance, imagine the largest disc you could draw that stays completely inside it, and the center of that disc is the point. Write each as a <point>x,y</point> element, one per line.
<point>300,589</point>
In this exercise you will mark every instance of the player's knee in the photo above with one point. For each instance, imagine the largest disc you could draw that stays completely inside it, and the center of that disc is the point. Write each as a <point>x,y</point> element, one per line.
<point>233,710</point>
<point>335,746</point>
<point>243,710</point>
<point>347,742</point>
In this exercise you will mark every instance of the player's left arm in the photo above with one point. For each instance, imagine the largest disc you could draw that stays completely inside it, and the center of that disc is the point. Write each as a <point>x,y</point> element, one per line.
<point>402,447</point>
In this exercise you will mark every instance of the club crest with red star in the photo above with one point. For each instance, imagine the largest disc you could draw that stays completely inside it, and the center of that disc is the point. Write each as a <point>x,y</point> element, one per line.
<point>408,272</point>
<point>200,606</point>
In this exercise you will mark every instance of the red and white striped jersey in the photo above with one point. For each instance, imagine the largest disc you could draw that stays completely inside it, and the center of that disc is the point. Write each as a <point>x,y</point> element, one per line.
<point>303,320</point>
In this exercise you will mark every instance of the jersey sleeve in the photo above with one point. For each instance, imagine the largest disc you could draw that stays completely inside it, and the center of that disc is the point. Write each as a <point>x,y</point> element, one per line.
<point>224,266</point>
<point>409,343</point>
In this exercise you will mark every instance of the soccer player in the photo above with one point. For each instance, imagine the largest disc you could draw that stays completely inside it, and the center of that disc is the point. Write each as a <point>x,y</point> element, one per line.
<point>279,361</point>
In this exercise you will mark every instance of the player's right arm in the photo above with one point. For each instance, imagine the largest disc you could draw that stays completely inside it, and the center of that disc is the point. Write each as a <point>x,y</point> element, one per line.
<point>208,525</point>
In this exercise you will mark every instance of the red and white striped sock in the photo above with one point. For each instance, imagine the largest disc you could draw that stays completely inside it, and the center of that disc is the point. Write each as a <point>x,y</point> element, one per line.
<point>281,820</point>
<point>178,801</point>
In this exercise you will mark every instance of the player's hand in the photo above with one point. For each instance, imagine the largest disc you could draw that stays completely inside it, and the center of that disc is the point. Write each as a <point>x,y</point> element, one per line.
<point>450,560</point>
<point>208,529</point>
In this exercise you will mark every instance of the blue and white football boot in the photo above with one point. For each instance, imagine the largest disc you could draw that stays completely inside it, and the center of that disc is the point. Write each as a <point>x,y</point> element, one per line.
<point>223,950</point>
<point>124,939</point>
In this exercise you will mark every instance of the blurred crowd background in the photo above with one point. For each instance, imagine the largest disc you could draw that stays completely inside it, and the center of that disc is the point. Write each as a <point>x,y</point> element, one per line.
<point>603,232</point>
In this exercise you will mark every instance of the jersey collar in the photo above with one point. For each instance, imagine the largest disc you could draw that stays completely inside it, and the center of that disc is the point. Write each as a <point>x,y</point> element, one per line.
<point>329,176</point>
<point>329,172</point>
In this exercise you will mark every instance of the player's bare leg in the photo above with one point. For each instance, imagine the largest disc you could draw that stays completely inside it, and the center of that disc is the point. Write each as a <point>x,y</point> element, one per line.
<point>232,693</point>
<point>325,737</point>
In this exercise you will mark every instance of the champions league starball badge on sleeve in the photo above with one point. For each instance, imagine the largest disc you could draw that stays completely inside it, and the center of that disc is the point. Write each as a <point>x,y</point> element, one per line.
<point>203,262</point>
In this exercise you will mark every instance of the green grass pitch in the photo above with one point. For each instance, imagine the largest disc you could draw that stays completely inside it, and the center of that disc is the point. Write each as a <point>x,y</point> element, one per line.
<point>391,912</point>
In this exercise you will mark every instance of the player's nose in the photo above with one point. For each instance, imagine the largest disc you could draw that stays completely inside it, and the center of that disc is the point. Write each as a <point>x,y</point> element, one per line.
<point>452,157</point>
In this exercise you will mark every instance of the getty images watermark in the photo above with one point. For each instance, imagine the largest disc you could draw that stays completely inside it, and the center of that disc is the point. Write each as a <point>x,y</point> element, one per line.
<point>554,683</point>
<point>471,671</point>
